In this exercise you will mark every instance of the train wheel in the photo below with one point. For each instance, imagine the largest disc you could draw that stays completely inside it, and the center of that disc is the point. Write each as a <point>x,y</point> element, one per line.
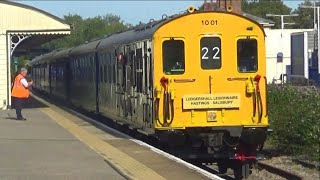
<point>222,167</point>
<point>241,171</point>
<point>260,147</point>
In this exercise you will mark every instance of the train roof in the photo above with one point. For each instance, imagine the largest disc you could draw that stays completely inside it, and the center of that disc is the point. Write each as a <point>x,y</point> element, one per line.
<point>45,57</point>
<point>144,31</point>
<point>63,53</point>
<point>139,33</point>
<point>85,48</point>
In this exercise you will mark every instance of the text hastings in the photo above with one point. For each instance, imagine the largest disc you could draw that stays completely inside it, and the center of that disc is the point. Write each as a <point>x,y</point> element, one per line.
<point>216,100</point>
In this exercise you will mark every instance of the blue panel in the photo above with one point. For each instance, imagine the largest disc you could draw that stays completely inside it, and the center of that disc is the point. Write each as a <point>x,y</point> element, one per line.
<point>314,76</point>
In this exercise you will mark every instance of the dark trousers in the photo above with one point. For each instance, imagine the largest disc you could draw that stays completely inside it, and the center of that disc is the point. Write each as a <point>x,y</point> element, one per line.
<point>19,102</point>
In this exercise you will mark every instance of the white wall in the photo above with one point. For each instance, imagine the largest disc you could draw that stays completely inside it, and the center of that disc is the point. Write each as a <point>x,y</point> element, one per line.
<point>276,43</point>
<point>3,71</point>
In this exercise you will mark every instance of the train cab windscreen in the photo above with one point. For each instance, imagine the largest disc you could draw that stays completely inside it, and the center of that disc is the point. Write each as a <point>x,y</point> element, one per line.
<point>173,57</point>
<point>210,52</point>
<point>247,55</point>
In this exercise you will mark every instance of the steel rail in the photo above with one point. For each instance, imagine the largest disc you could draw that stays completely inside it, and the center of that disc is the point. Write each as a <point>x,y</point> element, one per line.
<point>307,164</point>
<point>278,171</point>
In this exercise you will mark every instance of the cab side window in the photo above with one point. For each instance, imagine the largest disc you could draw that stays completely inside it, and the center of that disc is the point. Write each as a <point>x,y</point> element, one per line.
<point>173,56</point>
<point>247,53</point>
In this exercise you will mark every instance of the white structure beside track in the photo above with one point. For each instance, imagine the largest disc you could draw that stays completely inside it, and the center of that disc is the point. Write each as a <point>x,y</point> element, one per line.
<point>278,40</point>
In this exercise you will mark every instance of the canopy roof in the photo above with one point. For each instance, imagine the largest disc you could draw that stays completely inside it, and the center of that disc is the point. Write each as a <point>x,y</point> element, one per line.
<point>32,25</point>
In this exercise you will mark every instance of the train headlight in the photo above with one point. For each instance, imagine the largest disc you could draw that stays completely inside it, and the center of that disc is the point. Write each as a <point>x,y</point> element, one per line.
<point>211,116</point>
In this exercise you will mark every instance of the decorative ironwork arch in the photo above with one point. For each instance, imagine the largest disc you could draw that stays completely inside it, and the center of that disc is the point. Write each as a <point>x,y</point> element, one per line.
<point>15,40</point>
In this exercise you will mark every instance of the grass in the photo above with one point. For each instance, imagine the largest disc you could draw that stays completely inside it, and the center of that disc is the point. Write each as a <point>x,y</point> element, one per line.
<point>294,115</point>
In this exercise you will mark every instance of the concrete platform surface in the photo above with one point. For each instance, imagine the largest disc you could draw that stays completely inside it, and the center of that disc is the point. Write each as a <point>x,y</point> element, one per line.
<point>58,143</point>
<point>39,149</point>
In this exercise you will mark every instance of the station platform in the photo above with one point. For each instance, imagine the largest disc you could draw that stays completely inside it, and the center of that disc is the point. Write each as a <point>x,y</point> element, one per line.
<point>39,148</point>
<point>55,144</point>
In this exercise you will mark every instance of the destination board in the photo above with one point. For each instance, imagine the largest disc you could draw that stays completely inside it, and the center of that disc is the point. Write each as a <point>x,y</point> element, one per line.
<point>205,101</point>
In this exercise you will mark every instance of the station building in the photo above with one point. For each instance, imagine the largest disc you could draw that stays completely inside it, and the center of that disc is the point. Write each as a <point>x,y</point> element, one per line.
<point>279,42</point>
<point>22,30</point>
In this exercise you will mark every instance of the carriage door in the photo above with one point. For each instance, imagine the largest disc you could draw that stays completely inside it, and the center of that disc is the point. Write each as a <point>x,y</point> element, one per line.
<point>50,79</point>
<point>120,90</point>
<point>118,83</point>
<point>173,64</point>
<point>129,93</point>
<point>147,85</point>
<point>137,74</point>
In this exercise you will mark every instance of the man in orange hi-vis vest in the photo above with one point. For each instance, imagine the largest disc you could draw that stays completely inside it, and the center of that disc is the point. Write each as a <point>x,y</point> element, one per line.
<point>20,91</point>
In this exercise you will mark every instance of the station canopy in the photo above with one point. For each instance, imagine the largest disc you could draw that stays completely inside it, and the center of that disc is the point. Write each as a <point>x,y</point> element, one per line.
<point>29,27</point>
<point>23,29</point>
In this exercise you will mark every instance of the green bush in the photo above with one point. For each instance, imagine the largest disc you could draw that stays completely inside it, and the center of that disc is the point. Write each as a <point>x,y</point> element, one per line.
<point>294,115</point>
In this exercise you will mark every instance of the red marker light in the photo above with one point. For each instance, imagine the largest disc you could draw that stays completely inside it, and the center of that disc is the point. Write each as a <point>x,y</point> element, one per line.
<point>257,78</point>
<point>164,82</point>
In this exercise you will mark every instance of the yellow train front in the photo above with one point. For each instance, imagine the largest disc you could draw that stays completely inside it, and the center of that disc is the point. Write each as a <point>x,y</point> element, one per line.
<point>197,81</point>
<point>210,86</point>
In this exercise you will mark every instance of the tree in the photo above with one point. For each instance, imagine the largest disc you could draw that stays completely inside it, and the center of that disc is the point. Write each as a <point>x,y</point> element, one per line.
<point>262,7</point>
<point>20,62</point>
<point>306,16</point>
<point>88,29</point>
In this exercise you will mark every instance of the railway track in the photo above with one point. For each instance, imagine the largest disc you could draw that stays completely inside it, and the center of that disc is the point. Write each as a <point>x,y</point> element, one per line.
<point>268,154</point>
<point>213,168</point>
<point>260,165</point>
<point>280,172</point>
<point>307,164</point>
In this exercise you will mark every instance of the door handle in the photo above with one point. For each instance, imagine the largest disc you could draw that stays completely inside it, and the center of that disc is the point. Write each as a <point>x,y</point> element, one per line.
<point>184,80</point>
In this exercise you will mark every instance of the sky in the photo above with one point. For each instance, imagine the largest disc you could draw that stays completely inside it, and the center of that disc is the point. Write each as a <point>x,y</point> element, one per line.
<point>130,11</point>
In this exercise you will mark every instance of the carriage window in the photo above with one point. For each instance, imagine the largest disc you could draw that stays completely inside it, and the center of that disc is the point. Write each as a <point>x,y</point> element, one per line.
<point>106,73</point>
<point>173,57</point>
<point>101,73</point>
<point>133,73</point>
<point>247,55</point>
<point>210,52</point>
<point>139,70</point>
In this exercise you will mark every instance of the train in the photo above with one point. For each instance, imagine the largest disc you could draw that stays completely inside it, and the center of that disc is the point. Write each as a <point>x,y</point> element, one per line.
<point>195,80</point>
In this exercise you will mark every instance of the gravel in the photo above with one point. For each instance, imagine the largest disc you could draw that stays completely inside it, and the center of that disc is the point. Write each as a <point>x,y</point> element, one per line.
<point>285,163</point>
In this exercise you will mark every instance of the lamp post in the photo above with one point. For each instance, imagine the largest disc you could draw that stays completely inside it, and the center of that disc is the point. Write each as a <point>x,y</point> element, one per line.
<point>282,27</point>
<point>282,18</point>
<point>316,28</point>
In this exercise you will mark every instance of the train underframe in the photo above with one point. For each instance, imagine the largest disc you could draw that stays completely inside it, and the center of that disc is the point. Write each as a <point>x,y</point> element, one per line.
<point>229,147</point>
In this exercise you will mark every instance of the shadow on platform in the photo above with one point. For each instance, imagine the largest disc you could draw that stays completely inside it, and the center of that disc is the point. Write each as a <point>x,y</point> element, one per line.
<point>14,118</point>
<point>30,103</point>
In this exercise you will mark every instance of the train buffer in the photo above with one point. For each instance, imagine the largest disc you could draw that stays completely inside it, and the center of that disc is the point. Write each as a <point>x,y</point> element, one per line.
<point>55,144</point>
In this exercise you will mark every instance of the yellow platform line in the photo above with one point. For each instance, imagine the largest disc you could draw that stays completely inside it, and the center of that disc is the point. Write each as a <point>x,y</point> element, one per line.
<point>127,166</point>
